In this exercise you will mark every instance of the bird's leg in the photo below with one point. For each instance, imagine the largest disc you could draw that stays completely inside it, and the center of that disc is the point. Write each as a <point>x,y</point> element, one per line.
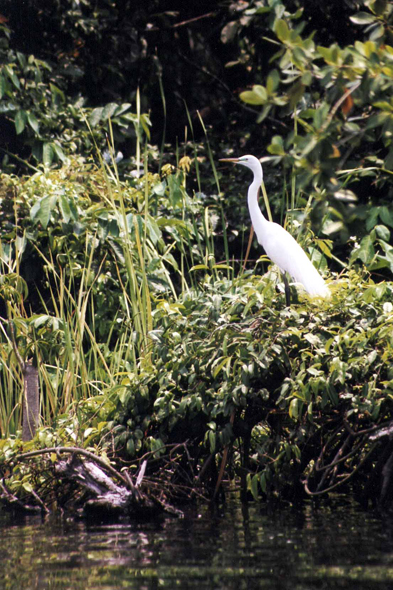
<point>287,290</point>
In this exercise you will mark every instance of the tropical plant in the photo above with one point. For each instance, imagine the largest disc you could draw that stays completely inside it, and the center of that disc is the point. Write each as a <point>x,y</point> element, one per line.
<point>234,368</point>
<point>336,141</point>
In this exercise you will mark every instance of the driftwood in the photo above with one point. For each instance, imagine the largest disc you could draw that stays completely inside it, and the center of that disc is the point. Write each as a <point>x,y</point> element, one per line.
<point>105,496</point>
<point>97,487</point>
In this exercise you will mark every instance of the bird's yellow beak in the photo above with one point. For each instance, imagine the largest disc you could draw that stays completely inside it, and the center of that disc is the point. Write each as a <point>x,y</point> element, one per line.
<point>233,160</point>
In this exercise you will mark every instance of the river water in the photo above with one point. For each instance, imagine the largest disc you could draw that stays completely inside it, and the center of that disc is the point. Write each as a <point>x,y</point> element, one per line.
<point>231,547</point>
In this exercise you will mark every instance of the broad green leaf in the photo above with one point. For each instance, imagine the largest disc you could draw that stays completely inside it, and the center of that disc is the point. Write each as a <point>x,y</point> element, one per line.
<point>41,211</point>
<point>281,29</point>
<point>272,81</point>
<point>254,486</point>
<point>212,441</point>
<point>377,120</point>
<point>333,395</point>
<point>380,290</point>
<point>277,146</point>
<point>32,120</point>
<point>294,408</point>
<point>389,160</point>
<point>217,368</point>
<point>366,251</point>
<point>47,154</point>
<point>20,121</point>
<point>377,33</point>
<point>256,96</point>
<point>58,95</point>
<point>145,122</point>
<point>378,7</point>
<point>21,59</point>
<point>312,339</point>
<point>310,145</point>
<point>262,482</point>
<point>320,115</point>
<point>383,105</point>
<point>386,215</point>
<point>108,110</point>
<point>326,53</point>
<point>159,189</point>
<point>40,320</point>
<point>382,232</point>
<point>2,86</point>
<point>153,230</point>
<point>265,111</point>
<point>96,116</point>
<point>363,18</point>
<point>295,93</point>
<point>323,245</point>
<point>131,447</point>
<point>59,152</point>
<point>65,208</point>
<point>14,79</point>
<point>372,218</point>
<point>120,109</point>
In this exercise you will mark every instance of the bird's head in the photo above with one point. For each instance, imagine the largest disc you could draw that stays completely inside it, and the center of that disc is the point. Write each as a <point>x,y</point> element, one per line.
<point>249,161</point>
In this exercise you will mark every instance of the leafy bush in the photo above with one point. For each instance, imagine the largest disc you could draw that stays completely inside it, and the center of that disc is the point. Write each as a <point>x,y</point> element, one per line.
<point>335,139</point>
<point>48,124</point>
<point>123,290</point>
<point>82,251</point>
<point>236,368</point>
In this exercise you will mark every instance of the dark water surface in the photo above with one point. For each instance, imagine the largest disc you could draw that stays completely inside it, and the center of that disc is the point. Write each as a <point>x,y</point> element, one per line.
<point>234,547</point>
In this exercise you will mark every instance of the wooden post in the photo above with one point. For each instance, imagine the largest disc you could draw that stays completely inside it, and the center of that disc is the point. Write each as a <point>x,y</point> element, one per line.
<point>31,402</point>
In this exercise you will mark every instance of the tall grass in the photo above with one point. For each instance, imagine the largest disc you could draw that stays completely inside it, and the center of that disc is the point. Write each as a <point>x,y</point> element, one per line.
<point>74,363</point>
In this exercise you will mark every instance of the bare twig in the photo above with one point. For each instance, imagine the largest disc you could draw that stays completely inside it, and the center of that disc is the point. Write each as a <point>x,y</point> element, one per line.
<point>183,23</point>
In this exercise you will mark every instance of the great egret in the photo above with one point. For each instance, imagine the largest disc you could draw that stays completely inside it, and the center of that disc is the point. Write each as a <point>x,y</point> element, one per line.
<point>278,244</point>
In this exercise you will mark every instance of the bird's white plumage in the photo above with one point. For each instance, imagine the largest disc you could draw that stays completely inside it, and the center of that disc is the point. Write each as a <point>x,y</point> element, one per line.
<point>278,244</point>
<point>289,256</point>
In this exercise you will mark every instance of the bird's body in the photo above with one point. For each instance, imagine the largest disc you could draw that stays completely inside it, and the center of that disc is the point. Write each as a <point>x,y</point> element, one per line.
<point>278,244</point>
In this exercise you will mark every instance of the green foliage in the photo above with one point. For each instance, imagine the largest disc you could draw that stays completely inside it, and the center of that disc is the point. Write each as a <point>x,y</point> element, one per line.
<point>95,263</point>
<point>50,123</point>
<point>284,373</point>
<point>125,290</point>
<point>335,103</point>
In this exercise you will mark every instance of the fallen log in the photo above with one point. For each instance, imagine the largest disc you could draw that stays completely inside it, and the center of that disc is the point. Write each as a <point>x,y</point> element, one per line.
<point>99,489</point>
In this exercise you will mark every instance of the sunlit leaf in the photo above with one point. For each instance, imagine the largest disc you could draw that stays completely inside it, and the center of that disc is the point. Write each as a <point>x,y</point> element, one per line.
<point>363,18</point>
<point>256,96</point>
<point>282,30</point>
<point>47,154</point>
<point>96,116</point>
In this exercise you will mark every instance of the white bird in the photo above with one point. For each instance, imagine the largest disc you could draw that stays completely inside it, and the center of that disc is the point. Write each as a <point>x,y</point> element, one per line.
<point>278,244</point>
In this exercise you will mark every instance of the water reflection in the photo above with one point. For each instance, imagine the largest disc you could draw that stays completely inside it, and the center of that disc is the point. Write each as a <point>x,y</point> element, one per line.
<point>235,547</point>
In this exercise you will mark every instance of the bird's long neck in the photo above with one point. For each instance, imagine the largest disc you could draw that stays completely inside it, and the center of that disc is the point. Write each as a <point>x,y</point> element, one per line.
<point>257,217</point>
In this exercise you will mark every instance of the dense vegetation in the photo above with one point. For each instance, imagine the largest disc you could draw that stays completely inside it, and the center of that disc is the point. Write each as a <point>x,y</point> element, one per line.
<point>122,254</point>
